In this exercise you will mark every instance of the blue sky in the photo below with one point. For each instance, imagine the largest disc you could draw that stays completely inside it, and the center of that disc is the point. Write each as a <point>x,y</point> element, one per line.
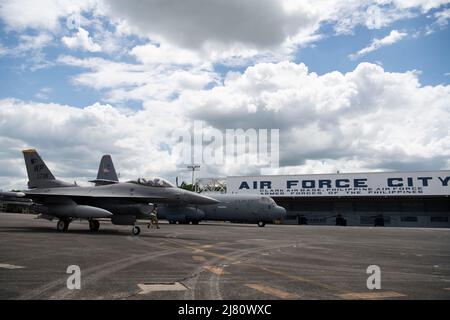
<point>118,61</point>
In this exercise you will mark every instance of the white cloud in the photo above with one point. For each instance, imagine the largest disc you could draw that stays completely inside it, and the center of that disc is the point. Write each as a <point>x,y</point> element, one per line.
<point>165,54</point>
<point>30,46</point>
<point>142,82</point>
<point>44,14</point>
<point>423,5</point>
<point>379,119</point>
<point>442,17</point>
<point>43,93</point>
<point>193,23</point>
<point>393,37</point>
<point>81,40</point>
<point>28,42</point>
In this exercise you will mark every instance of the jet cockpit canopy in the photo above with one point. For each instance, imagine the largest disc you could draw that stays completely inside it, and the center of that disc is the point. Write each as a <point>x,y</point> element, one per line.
<point>153,182</point>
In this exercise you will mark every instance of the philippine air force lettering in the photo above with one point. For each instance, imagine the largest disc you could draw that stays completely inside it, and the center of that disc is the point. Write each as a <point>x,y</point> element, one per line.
<point>428,183</point>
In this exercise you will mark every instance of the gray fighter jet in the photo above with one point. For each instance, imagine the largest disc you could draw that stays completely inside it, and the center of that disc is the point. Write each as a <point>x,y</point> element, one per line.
<point>123,203</point>
<point>249,208</point>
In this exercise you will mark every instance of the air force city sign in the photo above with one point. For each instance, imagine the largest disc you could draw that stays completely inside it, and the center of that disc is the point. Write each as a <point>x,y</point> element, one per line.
<point>429,183</point>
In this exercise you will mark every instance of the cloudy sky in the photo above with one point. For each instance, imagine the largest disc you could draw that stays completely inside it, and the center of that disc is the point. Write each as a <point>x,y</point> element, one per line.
<point>352,86</point>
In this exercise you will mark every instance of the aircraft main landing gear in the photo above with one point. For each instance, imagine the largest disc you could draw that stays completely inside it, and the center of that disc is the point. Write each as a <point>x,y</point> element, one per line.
<point>136,230</point>
<point>379,221</point>
<point>261,224</point>
<point>94,225</point>
<point>62,225</point>
<point>341,221</point>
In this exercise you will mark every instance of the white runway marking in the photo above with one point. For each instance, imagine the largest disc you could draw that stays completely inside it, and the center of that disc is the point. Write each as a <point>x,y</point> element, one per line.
<point>217,270</point>
<point>370,295</point>
<point>148,288</point>
<point>10,266</point>
<point>272,291</point>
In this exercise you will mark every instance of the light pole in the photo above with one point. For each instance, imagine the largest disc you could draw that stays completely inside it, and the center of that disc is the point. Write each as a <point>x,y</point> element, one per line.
<point>193,167</point>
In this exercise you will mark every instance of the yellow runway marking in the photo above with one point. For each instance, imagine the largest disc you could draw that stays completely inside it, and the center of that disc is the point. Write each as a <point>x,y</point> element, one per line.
<point>370,295</point>
<point>217,270</point>
<point>272,291</point>
<point>199,258</point>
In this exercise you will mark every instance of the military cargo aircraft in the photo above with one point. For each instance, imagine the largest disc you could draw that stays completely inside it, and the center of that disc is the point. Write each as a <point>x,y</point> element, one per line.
<point>248,208</point>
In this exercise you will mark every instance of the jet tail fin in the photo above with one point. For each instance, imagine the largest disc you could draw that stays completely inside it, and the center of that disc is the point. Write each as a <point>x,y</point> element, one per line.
<point>106,172</point>
<point>37,170</point>
<point>39,175</point>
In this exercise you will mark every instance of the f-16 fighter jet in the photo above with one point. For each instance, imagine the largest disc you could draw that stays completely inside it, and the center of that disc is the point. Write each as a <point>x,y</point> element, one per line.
<point>122,202</point>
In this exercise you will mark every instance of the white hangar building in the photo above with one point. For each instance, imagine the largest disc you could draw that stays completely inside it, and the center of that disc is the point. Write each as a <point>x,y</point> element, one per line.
<point>410,199</point>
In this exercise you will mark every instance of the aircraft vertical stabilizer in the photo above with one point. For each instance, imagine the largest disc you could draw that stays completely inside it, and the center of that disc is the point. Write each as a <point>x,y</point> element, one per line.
<point>106,172</point>
<point>37,170</point>
<point>39,175</point>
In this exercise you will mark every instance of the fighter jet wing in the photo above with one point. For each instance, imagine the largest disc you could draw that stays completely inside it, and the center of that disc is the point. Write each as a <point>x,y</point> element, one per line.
<point>49,194</point>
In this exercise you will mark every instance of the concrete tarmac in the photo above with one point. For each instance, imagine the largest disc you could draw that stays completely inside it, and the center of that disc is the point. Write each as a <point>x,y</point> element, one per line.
<point>221,261</point>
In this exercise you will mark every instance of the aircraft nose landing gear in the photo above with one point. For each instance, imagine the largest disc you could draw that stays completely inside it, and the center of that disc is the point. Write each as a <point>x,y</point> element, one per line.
<point>94,225</point>
<point>62,225</point>
<point>136,230</point>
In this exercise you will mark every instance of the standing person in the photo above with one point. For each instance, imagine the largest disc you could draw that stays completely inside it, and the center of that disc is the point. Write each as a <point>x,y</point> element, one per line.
<point>154,218</point>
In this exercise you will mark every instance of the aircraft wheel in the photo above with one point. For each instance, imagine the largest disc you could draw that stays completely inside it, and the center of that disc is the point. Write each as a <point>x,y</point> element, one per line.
<point>195,222</point>
<point>136,230</point>
<point>94,225</point>
<point>261,224</point>
<point>62,225</point>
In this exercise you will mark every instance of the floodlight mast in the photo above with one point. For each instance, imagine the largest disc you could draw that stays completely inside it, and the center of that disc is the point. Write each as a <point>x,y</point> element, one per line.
<point>193,167</point>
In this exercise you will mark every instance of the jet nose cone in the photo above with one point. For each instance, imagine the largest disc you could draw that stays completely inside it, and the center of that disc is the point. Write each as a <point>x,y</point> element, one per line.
<point>281,211</point>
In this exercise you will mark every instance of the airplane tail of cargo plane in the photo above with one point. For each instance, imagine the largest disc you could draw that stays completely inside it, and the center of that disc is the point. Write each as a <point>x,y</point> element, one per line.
<point>39,175</point>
